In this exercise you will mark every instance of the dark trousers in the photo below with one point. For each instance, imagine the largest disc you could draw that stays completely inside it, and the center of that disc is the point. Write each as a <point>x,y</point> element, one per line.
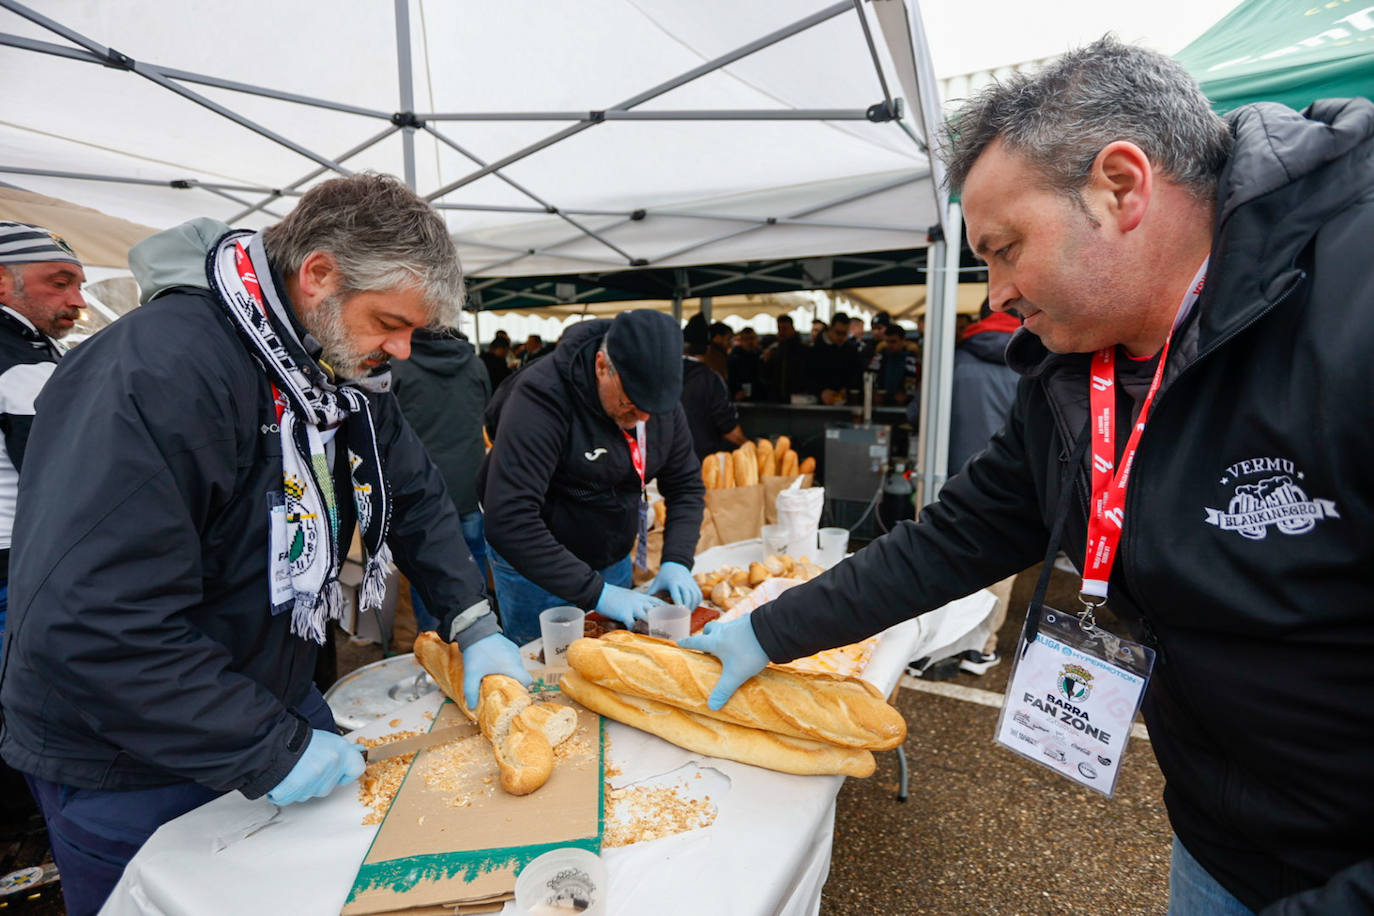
<point>95,832</point>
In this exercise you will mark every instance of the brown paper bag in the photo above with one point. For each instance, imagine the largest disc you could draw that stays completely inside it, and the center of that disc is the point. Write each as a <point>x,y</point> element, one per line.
<point>737,513</point>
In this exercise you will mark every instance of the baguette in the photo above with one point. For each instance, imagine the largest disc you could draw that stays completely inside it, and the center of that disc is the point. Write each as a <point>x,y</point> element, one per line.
<point>555,721</point>
<point>807,466</point>
<point>844,711</point>
<point>523,754</point>
<point>746,466</point>
<point>444,662</point>
<point>727,469</point>
<point>788,465</point>
<point>781,445</point>
<point>710,472</point>
<point>719,739</point>
<point>767,466</point>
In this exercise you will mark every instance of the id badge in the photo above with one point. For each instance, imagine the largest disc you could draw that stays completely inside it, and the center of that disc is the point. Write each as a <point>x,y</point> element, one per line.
<point>1073,694</point>
<point>642,535</point>
<point>283,596</point>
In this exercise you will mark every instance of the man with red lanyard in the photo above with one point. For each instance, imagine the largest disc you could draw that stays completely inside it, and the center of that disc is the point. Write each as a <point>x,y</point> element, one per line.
<point>575,440</point>
<point>1193,428</point>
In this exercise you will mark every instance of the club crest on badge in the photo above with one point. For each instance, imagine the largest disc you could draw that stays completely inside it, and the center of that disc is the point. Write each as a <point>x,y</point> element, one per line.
<point>1268,492</point>
<point>1075,682</point>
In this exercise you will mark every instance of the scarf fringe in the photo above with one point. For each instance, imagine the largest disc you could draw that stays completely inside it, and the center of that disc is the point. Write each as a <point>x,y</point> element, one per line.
<point>373,589</point>
<point>311,614</point>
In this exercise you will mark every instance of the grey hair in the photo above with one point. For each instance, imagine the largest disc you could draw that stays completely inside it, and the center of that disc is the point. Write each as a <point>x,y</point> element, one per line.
<point>1062,116</point>
<point>16,272</point>
<point>382,236</point>
<point>610,364</point>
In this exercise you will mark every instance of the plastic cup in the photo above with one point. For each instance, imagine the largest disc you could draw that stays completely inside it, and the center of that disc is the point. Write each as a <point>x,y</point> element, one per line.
<point>564,882</point>
<point>670,621</point>
<point>834,542</point>
<point>559,626</point>
<point>774,540</point>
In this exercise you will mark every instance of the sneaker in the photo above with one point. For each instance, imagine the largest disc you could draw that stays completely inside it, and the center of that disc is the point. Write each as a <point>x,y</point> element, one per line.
<point>928,670</point>
<point>975,662</point>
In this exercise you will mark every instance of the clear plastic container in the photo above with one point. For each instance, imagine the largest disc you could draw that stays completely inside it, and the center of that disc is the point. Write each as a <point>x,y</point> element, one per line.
<point>563,882</point>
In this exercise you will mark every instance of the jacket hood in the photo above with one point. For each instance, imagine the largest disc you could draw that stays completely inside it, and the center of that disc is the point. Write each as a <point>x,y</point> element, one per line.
<point>174,257</point>
<point>575,358</point>
<point>1287,174</point>
<point>988,346</point>
<point>441,355</point>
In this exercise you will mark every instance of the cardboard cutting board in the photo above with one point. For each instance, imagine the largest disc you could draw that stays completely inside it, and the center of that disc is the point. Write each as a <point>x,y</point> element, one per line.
<point>432,852</point>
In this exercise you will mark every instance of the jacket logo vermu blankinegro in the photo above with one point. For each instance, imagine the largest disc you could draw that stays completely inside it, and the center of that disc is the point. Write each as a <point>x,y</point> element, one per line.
<point>594,454</point>
<point>1266,493</point>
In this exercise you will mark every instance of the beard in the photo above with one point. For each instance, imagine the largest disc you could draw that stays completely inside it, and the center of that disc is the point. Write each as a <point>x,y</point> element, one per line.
<point>327,326</point>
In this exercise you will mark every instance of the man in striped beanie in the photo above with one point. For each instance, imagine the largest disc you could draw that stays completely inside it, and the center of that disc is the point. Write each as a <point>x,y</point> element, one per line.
<point>40,301</point>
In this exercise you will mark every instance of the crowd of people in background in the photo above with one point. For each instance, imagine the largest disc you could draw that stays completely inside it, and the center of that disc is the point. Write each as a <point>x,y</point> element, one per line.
<point>825,365</point>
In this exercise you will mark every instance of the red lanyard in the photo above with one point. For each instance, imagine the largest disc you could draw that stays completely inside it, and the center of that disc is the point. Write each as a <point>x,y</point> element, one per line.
<point>637,450</point>
<point>1107,511</point>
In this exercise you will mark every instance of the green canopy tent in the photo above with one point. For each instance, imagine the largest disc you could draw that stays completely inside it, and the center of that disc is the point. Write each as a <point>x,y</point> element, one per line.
<point>1289,51</point>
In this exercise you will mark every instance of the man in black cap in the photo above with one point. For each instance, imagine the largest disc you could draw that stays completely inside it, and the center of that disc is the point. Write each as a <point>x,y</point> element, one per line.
<point>575,440</point>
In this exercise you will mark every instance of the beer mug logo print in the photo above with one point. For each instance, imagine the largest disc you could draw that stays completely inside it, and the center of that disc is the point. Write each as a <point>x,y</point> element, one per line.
<point>1075,683</point>
<point>1265,493</point>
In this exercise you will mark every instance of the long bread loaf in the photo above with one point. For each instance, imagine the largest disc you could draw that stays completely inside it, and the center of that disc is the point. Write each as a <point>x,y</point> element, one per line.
<point>719,739</point>
<point>444,662</point>
<point>844,711</point>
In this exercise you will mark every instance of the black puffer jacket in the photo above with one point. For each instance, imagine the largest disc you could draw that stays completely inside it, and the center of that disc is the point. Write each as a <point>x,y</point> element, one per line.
<point>443,388</point>
<point>1246,556</point>
<point>142,650</point>
<point>558,488</point>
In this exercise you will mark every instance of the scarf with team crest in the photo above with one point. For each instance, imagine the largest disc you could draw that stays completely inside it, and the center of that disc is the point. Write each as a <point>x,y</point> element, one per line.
<point>304,539</point>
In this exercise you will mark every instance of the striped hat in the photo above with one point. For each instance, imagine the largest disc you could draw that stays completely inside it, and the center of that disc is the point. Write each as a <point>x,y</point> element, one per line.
<point>21,243</point>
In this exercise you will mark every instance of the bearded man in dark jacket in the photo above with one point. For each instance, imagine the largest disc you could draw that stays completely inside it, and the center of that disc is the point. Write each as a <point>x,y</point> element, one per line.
<point>182,516</point>
<point>575,439</point>
<point>1122,221</point>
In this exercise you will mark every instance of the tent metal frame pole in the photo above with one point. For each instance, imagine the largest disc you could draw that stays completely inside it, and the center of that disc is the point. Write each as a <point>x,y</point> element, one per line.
<point>154,75</point>
<point>710,66</point>
<point>937,373</point>
<point>274,193</point>
<point>701,114</point>
<point>682,214</point>
<point>180,184</point>
<point>548,207</point>
<point>240,201</point>
<point>873,54</point>
<point>848,198</point>
<point>405,79</point>
<point>187,76</point>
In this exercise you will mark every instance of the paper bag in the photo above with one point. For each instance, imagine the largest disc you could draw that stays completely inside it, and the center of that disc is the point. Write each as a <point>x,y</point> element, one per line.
<point>737,513</point>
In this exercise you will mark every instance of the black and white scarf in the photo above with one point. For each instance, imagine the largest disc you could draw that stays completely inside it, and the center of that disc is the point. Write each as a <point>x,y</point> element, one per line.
<point>305,549</point>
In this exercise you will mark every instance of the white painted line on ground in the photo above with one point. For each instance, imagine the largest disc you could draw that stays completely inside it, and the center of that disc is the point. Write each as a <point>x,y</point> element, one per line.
<point>982,697</point>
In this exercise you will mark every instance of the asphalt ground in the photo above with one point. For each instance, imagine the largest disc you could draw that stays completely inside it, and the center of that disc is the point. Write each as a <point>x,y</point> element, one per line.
<point>987,831</point>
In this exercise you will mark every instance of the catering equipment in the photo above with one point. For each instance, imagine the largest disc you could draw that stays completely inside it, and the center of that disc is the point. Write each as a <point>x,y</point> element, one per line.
<point>856,458</point>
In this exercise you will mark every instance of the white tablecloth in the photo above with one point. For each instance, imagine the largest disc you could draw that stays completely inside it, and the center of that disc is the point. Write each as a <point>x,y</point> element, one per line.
<point>768,851</point>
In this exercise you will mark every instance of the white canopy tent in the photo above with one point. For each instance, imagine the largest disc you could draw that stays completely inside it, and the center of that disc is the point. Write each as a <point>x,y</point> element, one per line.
<point>599,136</point>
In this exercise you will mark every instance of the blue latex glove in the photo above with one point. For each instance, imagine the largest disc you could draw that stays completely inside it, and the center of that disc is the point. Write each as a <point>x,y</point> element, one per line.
<point>329,761</point>
<point>494,654</point>
<point>625,604</point>
<point>677,581</point>
<point>741,656</point>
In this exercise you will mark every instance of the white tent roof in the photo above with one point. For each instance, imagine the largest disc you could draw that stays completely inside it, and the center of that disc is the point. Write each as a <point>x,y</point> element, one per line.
<point>770,124</point>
